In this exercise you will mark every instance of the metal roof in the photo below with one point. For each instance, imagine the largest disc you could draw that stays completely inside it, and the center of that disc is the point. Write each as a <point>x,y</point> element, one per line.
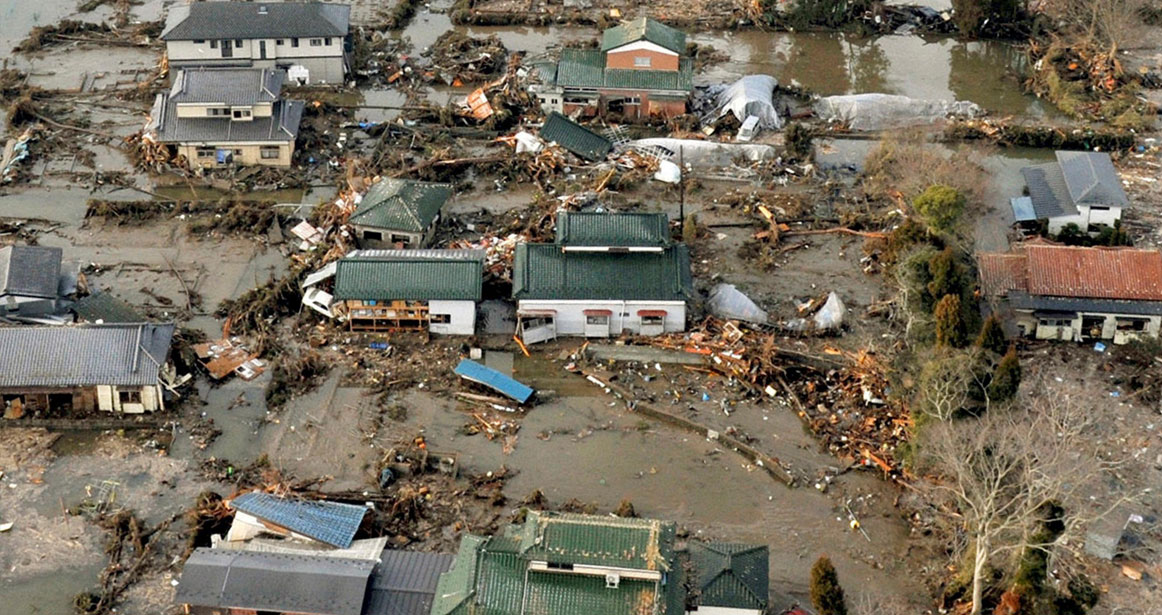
<point>281,126</point>
<point>401,204</point>
<point>88,355</point>
<point>104,308</point>
<point>731,575</point>
<point>639,229</point>
<point>404,582</point>
<point>333,523</point>
<point>227,86</point>
<point>544,271</point>
<point>274,582</point>
<point>1047,191</point>
<point>481,374</point>
<point>223,20</point>
<point>585,68</point>
<point>644,28</point>
<point>1092,179</point>
<point>457,586</point>
<point>575,138</point>
<point>30,271</point>
<point>642,544</point>
<point>409,279</point>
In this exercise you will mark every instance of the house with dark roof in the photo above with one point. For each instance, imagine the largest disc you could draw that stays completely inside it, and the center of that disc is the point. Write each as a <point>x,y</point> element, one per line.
<point>641,70</point>
<point>307,38</point>
<point>1050,291</point>
<point>114,368</point>
<point>1080,188</point>
<point>225,116</point>
<point>728,578</point>
<point>608,274</point>
<point>32,285</point>
<point>399,213</point>
<point>570,564</point>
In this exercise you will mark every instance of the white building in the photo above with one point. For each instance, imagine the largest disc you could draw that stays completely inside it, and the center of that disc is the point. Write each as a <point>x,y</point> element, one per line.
<point>262,35</point>
<point>1080,188</point>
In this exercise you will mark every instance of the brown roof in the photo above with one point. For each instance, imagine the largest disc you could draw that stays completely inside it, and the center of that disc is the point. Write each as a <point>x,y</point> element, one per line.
<point>1066,271</point>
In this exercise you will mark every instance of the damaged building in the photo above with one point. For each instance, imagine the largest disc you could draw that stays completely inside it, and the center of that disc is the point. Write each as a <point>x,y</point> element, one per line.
<point>227,116</point>
<point>1054,292</point>
<point>114,368</point>
<point>308,39</point>
<point>399,213</point>
<point>33,285</point>
<point>1079,188</point>
<point>641,70</point>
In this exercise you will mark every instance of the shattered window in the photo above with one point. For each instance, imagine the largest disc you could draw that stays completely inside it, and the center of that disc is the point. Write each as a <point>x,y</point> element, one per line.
<point>440,319</point>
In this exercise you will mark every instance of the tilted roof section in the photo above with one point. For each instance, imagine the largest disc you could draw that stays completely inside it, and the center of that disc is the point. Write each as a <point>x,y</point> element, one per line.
<point>642,544</point>
<point>593,229</point>
<point>401,204</point>
<point>575,138</point>
<point>410,279</point>
<point>30,271</point>
<point>230,20</point>
<point>543,271</point>
<point>1047,190</point>
<point>104,308</point>
<point>227,86</point>
<point>89,355</point>
<point>274,582</point>
<point>585,68</point>
<point>1092,179</point>
<point>731,575</point>
<point>404,582</point>
<point>644,28</point>
<point>333,523</point>
<point>1066,271</point>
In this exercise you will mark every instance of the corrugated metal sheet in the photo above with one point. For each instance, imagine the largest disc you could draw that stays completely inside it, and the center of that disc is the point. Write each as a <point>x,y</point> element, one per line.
<point>644,28</point>
<point>480,374</point>
<point>1023,209</point>
<point>543,271</point>
<point>731,575</point>
<point>563,594</point>
<point>404,582</point>
<point>1100,273</point>
<point>1092,178</point>
<point>333,523</point>
<point>617,230</point>
<point>415,279</point>
<point>401,204</point>
<point>90,355</point>
<point>219,20</point>
<point>274,582</point>
<point>30,271</point>
<point>575,137</point>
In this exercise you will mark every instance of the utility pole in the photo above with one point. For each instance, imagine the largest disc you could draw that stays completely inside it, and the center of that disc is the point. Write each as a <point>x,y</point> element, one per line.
<point>681,187</point>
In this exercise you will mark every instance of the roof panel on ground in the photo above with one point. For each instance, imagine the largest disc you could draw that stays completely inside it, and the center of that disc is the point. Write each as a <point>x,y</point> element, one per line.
<point>575,138</point>
<point>333,523</point>
<point>471,370</point>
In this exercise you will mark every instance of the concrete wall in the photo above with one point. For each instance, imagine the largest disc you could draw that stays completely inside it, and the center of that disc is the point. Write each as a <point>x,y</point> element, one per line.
<point>109,399</point>
<point>1073,329</point>
<point>245,154</point>
<point>326,62</point>
<point>1085,217</point>
<point>570,317</point>
<point>462,314</point>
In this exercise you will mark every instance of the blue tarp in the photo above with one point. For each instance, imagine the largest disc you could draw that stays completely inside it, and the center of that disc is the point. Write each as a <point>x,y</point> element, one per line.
<point>471,370</point>
<point>1023,209</point>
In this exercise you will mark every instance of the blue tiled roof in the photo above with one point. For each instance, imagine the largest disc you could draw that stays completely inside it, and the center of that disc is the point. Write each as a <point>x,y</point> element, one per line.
<point>471,370</point>
<point>332,523</point>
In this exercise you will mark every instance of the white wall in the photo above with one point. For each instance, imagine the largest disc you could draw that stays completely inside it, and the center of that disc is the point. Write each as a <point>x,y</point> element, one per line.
<point>1085,217</point>
<point>463,317</point>
<point>571,314</point>
<point>719,610</point>
<point>109,399</point>
<point>1073,331</point>
<point>326,63</point>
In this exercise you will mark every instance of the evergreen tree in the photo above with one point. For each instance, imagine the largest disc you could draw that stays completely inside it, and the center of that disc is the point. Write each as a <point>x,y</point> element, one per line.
<point>947,274</point>
<point>992,336</point>
<point>826,594</point>
<point>949,322</point>
<point>941,206</point>
<point>1007,377</point>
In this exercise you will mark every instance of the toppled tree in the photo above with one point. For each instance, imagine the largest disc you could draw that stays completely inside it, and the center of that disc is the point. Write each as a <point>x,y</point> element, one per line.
<point>1007,377</point>
<point>826,593</point>
<point>941,206</point>
<point>949,323</point>
<point>992,336</point>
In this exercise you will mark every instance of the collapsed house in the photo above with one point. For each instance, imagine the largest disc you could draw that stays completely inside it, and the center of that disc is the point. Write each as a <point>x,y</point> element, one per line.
<point>217,117</point>
<point>309,39</point>
<point>575,138</point>
<point>568,563</point>
<point>115,368</point>
<point>400,213</point>
<point>1055,292</point>
<point>1080,188</point>
<point>33,286</point>
<point>607,274</point>
<point>640,70</point>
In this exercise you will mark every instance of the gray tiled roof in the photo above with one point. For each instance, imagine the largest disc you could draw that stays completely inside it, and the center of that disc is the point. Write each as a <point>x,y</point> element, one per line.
<point>106,309</point>
<point>227,86</point>
<point>30,271</point>
<point>333,523</point>
<point>274,582</point>
<point>404,582</point>
<point>282,125</point>
<point>222,20</point>
<point>1092,179</point>
<point>90,355</point>
<point>1046,184</point>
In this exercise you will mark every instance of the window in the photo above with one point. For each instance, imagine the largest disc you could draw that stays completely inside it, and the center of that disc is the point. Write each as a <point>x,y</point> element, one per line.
<point>217,112</point>
<point>373,235</point>
<point>237,152</point>
<point>316,42</point>
<point>240,114</point>
<point>129,397</point>
<point>558,566</point>
<point>653,320</point>
<point>238,43</point>
<point>440,319</point>
<point>328,41</point>
<point>594,319</point>
<point>205,152</point>
<point>556,101</point>
<point>397,238</point>
<point>269,152</point>
<point>278,42</point>
<point>641,61</point>
<point>1056,322</point>
<point>214,44</point>
<point>1099,208</point>
<point>1132,324</point>
<point>294,42</point>
<point>199,41</point>
<point>633,100</point>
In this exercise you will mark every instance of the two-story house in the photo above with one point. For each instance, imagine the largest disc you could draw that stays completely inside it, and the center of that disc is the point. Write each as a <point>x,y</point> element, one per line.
<point>310,35</point>
<point>1079,188</point>
<point>224,116</point>
<point>640,70</point>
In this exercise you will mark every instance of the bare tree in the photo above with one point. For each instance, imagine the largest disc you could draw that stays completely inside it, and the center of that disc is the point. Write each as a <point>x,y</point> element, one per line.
<point>947,381</point>
<point>1114,23</point>
<point>1003,470</point>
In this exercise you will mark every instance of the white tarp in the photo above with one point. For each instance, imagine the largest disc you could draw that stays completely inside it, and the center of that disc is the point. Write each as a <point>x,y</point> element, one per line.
<point>705,153</point>
<point>751,95</point>
<point>528,142</point>
<point>728,302</point>
<point>830,316</point>
<point>668,172</point>
<point>885,111</point>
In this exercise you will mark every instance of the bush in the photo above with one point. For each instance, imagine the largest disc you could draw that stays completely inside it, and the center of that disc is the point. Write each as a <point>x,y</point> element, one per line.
<point>948,276</point>
<point>970,15</point>
<point>825,13</point>
<point>826,594</point>
<point>992,336</point>
<point>1007,377</point>
<point>949,322</point>
<point>941,206</point>
<point>798,139</point>
<point>690,229</point>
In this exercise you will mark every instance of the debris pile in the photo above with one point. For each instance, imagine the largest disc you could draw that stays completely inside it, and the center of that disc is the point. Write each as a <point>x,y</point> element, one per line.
<point>458,59</point>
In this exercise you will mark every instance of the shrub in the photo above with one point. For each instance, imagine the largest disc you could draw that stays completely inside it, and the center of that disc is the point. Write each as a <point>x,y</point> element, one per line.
<point>941,206</point>
<point>826,594</point>
<point>949,322</point>
<point>1006,378</point>
<point>992,336</point>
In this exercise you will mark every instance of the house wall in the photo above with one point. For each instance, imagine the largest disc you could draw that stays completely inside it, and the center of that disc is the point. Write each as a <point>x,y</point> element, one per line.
<point>721,610</point>
<point>411,240</point>
<point>570,318</point>
<point>1085,217</point>
<point>652,103</point>
<point>626,57</point>
<point>109,399</point>
<point>326,63</point>
<point>188,110</point>
<point>462,315</point>
<point>246,154</point>
<point>1073,329</point>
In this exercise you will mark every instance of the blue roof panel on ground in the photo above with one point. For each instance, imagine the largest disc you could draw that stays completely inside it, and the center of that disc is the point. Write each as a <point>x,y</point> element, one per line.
<point>332,523</point>
<point>471,370</point>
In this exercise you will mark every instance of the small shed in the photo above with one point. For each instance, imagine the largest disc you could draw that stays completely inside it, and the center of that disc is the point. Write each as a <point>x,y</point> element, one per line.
<point>399,213</point>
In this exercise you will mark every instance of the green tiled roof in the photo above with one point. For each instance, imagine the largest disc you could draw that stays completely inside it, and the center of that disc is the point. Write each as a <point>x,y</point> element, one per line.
<point>730,575</point>
<point>543,271</point>
<point>644,28</point>
<point>575,137</point>
<point>585,68</point>
<point>401,204</point>
<point>456,587</point>
<point>411,279</point>
<point>605,229</point>
<point>644,544</point>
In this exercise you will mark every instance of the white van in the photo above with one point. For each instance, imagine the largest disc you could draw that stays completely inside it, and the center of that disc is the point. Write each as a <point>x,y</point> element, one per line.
<point>749,129</point>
